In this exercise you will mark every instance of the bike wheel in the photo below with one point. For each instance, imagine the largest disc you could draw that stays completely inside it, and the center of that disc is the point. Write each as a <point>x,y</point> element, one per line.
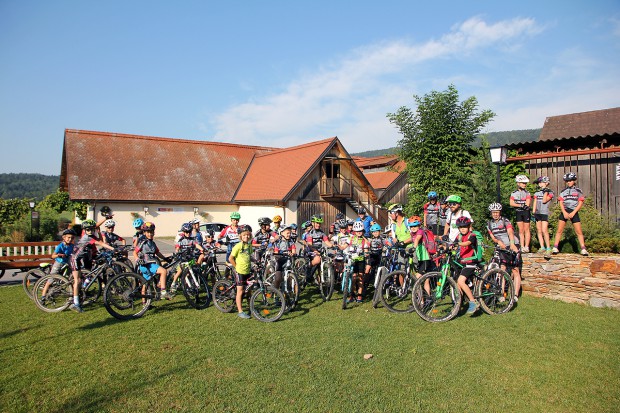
<point>346,289</point>
<point>224,294</point>
<point>396,295</point>
<point>433,301</point>
<point>326,281</point>
<point>495,292</point>
<point>267,305</point>
<point>58,294</point>
<point>30,279</point>
<point>128,296</point>
<point>290,285</point>
<point>195,290</point>
<point>92,293</point>
<point>376,297</point>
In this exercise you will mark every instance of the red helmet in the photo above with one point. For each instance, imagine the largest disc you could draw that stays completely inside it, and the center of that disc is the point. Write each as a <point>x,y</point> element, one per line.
<point>463,222</point>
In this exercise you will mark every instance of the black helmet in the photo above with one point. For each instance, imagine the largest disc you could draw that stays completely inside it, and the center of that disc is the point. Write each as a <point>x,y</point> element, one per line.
<point>243,228</point>
<point>463,222</point>
<point>264,221</point>
<point>105,211</point>
<point>187,227</point>
<point>69,232</point>
<point>339,216</point>
<point>361,210</point>
<point>571,176</point>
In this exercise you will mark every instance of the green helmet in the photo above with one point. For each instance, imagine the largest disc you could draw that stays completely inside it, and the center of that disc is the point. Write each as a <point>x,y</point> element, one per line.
<point>454,198</point>
<point>235,215</point>
<point>317,218</point>
<point>89,223</point>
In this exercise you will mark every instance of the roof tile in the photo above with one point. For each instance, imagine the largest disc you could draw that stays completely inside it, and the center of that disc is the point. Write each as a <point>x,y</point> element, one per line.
<point>593,123</point>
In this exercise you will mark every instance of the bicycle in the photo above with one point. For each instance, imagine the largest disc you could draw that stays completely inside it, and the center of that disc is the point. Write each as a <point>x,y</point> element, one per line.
<point>290,280</point>
<point>395,286</point>
<point>212,268</point>
<point>192,281</point>
<point>325,275</point>
<point>267,303</point>
<point>347,281</point>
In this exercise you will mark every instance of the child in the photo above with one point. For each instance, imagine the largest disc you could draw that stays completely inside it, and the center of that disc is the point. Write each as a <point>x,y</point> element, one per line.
<point>520,200</point>
<point>186,244</point>
<point>283,245</point>
<point>443,215</point>
<point>240,259</point>
<point>455,212</point>
<point>82,257</point>
<point>375,249</point>
<point>540,209</point>
<point>501,232</point>
<point>139,235</point>
<point>571,200</point>
<point>425,264</point>
<point>431,213</point>
<point>230,234</point>
<point>358,248</point>
<point>61,255</point>
<point>342,240</point>
<point>263,237</point>
<point>145,253</point>
<point>468,245</point>
<point>109,237</point>
<point>277,223</point>
<point>315,238</point>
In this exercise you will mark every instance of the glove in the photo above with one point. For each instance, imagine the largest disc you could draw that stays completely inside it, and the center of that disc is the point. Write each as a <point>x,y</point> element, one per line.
<point>525,208</point>
<point>546,190</point>
<point>400,244</point>
<point>140,262</point>
<point>445,238</point>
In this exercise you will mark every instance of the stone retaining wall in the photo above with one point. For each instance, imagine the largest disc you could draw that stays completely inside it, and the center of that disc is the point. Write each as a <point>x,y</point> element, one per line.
<point>593,280</point>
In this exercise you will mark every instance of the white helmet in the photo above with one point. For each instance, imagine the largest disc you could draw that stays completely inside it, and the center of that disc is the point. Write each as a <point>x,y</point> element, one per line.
<point>109,223</point>
<point>194,221</point>
<point>522,179</point>
<point>495,206</point>
<point>358,226</point>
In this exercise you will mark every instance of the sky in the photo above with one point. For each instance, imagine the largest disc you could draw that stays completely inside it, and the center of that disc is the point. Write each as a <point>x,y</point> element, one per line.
<point>282,73</point>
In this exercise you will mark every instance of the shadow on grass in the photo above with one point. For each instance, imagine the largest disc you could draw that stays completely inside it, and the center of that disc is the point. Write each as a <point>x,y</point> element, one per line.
<point>15,332</point>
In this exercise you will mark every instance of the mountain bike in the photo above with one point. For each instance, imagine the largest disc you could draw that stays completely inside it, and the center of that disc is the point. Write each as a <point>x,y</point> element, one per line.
<point>346,282</point>
<point>325,275</point>
<point>191,281</point>
<point>211,268</point>
<point>290,280</point>
<point>396,286</point>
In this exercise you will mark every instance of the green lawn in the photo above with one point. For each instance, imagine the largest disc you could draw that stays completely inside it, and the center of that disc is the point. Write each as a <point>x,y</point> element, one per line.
<point>544,356</point>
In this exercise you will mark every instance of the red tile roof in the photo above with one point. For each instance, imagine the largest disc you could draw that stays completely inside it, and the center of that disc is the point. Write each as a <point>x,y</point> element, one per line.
<point>113,166</point>
<point>375,161</point>
<point>272,176</point>
<point>383,179</point>
<point>594,123</point>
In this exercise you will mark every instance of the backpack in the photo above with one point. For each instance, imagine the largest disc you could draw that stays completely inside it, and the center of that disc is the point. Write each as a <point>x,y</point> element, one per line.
<point>480,249</point>
<point>428,238</point>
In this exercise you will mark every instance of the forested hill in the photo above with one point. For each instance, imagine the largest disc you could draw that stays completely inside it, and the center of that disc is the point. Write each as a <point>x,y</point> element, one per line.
<point>35,186</point>
<point>494,139</point>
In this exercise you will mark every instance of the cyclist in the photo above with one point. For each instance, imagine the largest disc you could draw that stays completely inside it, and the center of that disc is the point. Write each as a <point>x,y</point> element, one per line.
<point>109,237</point>
<point>294,232</point>
<point>61,256</point>
<point>306,227</point>
<point>283,245</point>
<point>375,249</point>
<point>349,226</point>
<point>82,257</point>
<point>230,234</point>
<point>400,230</point>
<point>425,264</point>
<point>502,233</point>
<point>195,223</point>
<point>443,215</point>
<point>358,248</point>
<point>431,213</point>
<point>145,255</point>
<point>365,219</point>
<point>571,200</point>
<point>263,238</point>
<point>468,247</point>
<point>341,239</point>
<point>451,229</point>
<point>137,225</point>
<point>240,259</point>
<point>521,199</point>
<point>186,244</point>
<point>540,209</point>
<point>277,223</point>
<point>315,238</point>
<point>332,227</point>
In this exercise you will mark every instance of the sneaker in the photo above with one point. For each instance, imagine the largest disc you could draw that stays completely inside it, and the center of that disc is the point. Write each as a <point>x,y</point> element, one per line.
<point>359,299</point>
<point>547,252</point>
<point>165,295</point>
<point>584,252</point>
<point>173,288</point>
<point>525,249</point>
<point>501,299</point>
<point>473,307</point>
<point>243,315</point>
<point>76,307</point>
<point>555,251</point>
<point>516,298</point>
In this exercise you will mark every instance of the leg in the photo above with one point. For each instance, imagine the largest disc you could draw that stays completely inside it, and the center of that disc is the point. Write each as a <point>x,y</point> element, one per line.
<point>239,298</point>
<point>516,277</point>
<point>462,283</point>
<point>521,233</point>
<point>539,232</point>
<point>527,234</point>
<point>579,232</point>
<point>545,231</point>
<point>558,233</point>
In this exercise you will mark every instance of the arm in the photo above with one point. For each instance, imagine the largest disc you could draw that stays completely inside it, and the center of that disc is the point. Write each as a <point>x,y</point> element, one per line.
<point>511,237</point>
<point>513,203</point>
<point>104,245</point>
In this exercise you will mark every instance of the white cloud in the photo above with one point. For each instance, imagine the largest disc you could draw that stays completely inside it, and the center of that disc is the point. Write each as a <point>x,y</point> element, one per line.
<point>351,96</point>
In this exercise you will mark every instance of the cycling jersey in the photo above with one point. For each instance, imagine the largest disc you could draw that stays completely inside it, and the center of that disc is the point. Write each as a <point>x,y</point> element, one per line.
<point>315,238</point>
<point>85,246</point>
<point>443,216</point>
<point>375,245</point>
<point>147,250</point>
<point>571,196</point>
<point>432,213</point>
<point>468,253</point>
<point>542,208</point>
<point>401,232</point>
<point>499,229</point>
<point>451,219</point>
<point>229,235</point>
<point>521,197</point>
<point>262,238</point>
<point>66,249</point>
<point>283,245</point>
<point>111,238</point>
<point>357,247</point>
<point>341,239</point>
<point>186,244</point>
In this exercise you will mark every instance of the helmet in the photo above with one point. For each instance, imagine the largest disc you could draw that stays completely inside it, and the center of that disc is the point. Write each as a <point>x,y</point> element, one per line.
<point>317,218</point>
<point>432,195</point>
<point>387,229</point>
<point>454,198</point>
<point>137,223</point>
<point>284,227</point>
<point>69,231</point>
<point>463,222</point>
<point>571,176</point>
<point>305,225</point>
<point>109,223</point>
<point>244,228</point>
<point>276,219</point>
<point>264,221</point>
<point>495,206</point>
<point>358,226</point>
<point>349,222</point>
<point>148,226</point>
<point>235,215</point>
<point>337,227</point>
<point>187,227</point>
<point>375,227</point>
<point>361,211</point>
<point>522,179</point>
<point>89,224</point>
<point>293,226</point>
<point>443,201</point>
<point>339,216</point>
<point>208,233</point>
<point>105,211</point>
<point>194,221</point>
<point>414,221</point>
<point>544,179</point>
<point>396,208</point>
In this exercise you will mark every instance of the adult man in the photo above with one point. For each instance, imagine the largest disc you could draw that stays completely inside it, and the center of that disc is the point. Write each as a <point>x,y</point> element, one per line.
<point>366,220</point>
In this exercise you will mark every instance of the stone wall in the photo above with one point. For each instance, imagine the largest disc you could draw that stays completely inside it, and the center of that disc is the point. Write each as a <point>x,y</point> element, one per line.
<point>593,280</point>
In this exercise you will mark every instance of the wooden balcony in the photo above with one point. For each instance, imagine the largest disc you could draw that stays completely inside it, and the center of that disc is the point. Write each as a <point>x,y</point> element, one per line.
<point>336,188</point>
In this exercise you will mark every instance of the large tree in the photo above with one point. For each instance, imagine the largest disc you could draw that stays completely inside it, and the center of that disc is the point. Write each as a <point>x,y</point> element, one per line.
<point>436,143</point>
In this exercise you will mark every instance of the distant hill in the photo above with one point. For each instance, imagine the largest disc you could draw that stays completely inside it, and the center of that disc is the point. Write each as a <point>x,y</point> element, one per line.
<point>494,138</point>
<point>35,186</point>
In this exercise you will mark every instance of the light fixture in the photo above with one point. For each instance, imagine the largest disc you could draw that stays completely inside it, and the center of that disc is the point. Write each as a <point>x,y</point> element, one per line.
<point>195,210</point>
<point>499,154</point>
<point>146,210</point>
<point>31,204</point>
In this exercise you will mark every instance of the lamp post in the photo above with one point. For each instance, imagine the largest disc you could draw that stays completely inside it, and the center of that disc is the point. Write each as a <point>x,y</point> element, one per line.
<point>498,157</point>
<point>146,211</point>
<point>195,211</point>
<point>31,205</point>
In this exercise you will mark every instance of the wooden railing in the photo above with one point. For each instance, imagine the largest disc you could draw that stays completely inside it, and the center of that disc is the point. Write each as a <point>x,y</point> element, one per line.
<point>20,255</point>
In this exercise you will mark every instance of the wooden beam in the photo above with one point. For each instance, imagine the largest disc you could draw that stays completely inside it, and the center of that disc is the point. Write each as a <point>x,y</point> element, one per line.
<point>563,154</point>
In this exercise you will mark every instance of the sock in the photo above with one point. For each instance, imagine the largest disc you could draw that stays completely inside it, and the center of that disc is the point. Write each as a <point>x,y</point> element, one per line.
<point>76,300</point>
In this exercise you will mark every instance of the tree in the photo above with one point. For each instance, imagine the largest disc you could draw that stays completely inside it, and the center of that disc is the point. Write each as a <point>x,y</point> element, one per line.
<point>436,143</point>
<point>59,201</point>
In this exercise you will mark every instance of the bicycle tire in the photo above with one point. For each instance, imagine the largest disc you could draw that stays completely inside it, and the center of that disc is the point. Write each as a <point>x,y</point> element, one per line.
<point>346,289</point>
<point>30,279</point>
<point>267,305</point>
<point>93,292</point>
<point>428,305</point>
<point>123,297</point>
<point>300,268</point>
<point>59,294</point>
<point>393,297</point>
<point>291,290</point>
<point>326,281</point>
<point>495,292</point>
<point>224,295</point>
<point>197,296</point>
<point>376,297</point>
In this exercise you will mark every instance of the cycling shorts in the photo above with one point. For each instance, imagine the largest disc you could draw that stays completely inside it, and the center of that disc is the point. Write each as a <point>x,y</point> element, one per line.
<point>149,269</point>
<point>426,266</point>
<point>523,216</point>
<point>541,217</point>
<point>374,260</point>
<point>359,266</point>
<point>468,271</point>
<point>573,219</point>
<point>81,262</point>
<point>241,280</point>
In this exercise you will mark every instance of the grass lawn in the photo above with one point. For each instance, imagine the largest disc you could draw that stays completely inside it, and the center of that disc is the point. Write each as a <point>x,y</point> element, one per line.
<point>545,356</point>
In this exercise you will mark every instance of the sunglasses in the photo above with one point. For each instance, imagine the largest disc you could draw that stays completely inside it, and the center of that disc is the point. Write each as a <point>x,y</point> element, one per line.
<point>452,203</point>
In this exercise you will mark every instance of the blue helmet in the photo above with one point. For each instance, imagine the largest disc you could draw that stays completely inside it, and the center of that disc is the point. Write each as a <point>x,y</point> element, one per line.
<point>137,223</point>
<point>375,227</point>
<point>432,195</point>
<point>187,227</point>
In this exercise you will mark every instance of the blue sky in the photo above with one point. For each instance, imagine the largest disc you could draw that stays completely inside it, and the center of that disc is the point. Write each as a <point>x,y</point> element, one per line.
<point>281,73</point>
